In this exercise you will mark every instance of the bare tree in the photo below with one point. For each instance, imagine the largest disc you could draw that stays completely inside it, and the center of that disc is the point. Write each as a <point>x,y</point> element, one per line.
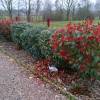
<point>47,9</point>
<point>73,11</point>
<point>84,10</point>
<point>97,7</point>
<point>37,7</point>
<point>68,4</point>
<point>18,8</point>
<point>7,5</point>
<point>58,10</point>
<point>28,7</point>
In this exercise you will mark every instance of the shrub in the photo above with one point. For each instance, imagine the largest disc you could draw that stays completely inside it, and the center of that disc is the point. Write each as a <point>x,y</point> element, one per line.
<point>30,40</point>
<point>77,46</point>
<point>44,44</point>
<point>5,28</point>
<point>17,29</point>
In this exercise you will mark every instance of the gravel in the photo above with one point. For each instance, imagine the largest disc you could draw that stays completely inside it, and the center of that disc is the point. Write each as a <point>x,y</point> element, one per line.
<point>17,84</point>
<point>33,89</point>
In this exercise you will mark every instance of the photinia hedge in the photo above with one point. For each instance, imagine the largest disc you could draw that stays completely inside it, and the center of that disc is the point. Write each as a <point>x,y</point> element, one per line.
<point>5,27</point>
<point>77,46</point>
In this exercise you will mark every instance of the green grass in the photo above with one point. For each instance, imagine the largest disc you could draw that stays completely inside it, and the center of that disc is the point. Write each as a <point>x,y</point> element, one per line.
<point>59,24</point>
<point>55,24</point>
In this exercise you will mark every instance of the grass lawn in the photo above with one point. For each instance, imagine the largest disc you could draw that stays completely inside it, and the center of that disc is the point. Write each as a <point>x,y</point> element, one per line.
<point>55,24</point>
<point>59,24</point>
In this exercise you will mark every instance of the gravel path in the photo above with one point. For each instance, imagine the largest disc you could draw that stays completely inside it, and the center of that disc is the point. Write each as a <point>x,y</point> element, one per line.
<point>15,84</point>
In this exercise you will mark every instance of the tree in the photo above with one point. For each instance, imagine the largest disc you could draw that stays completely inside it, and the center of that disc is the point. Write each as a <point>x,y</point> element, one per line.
<point>58,10</point>
<point>7,5</point>
<point>73,12</point>
<point>28,7</point>
<point>68,4</point>
<point>37,7</point>
<point>47,9</point>
<point>84,10</point>
<point>18,8</point>
<point>97,7</point>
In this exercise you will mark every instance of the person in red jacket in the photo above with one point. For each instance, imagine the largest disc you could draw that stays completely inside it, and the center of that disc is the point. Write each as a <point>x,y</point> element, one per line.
<point>17,18</point>
<point>48,22</point>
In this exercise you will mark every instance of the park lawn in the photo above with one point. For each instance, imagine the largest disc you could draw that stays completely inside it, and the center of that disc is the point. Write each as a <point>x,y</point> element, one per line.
<point>59,24</point>
<point>55,24</point>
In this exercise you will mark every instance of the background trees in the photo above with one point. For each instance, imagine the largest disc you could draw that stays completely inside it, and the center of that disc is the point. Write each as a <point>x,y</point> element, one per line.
<point>27,4</point>
<point>37,8</point>
<point>7,6</point>
<point>47,9</point>
<point>68,6</point>
<point>84,10</point>
<point>57,10</point>
<point>97,7</point>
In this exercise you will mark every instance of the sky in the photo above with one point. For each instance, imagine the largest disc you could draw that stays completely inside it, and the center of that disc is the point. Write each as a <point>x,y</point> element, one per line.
<point>92,1</point>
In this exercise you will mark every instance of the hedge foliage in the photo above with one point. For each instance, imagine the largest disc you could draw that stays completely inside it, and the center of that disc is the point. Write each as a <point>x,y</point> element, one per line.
<point>5,28</point>
<point>74,47</point>
<point>17,29</point>
<point>32,39</point>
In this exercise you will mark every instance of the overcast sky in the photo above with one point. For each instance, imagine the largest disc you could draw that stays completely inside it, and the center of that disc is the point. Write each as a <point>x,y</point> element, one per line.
<point>15,2</point>
<point>93,1</point>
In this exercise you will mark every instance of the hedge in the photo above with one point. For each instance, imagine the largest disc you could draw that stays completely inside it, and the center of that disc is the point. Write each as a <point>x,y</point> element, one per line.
<point>32,39</point>
<point>17,29</point>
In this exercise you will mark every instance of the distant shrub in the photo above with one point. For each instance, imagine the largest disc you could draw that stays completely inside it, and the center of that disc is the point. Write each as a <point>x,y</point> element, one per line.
<point>30,40</point>
<point>5,28</point>
<point>44,43</point>
<point>17,29</point>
